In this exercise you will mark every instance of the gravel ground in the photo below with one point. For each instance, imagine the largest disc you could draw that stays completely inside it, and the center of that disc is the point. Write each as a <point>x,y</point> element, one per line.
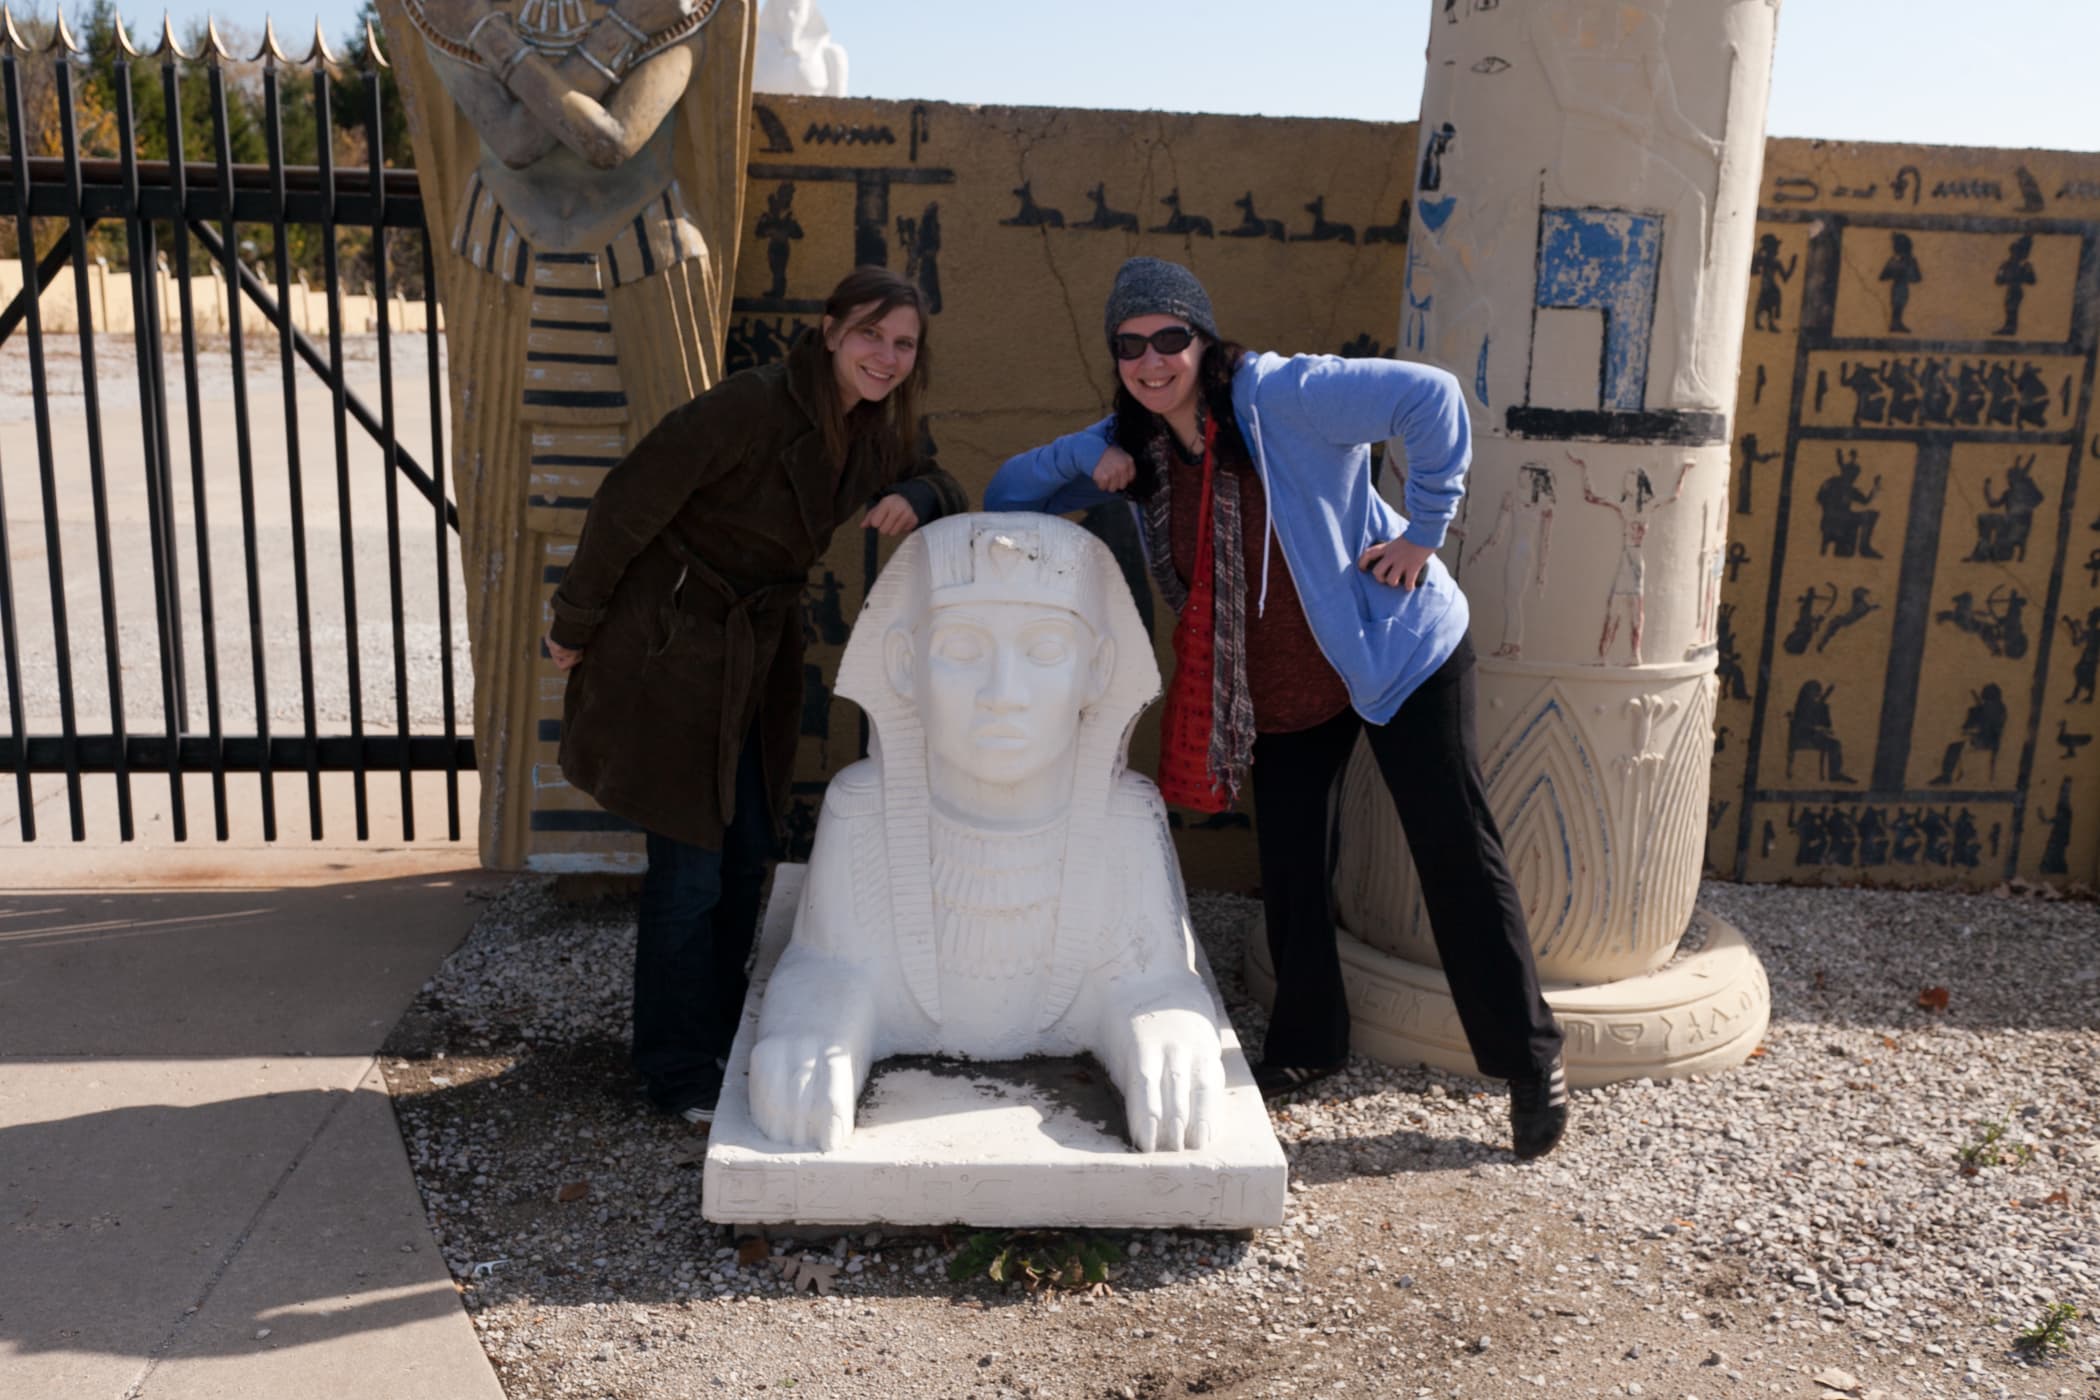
<point>1879,1202</point>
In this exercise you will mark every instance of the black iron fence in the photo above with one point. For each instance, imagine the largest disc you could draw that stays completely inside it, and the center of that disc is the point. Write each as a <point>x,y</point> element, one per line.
<point>217,549</point>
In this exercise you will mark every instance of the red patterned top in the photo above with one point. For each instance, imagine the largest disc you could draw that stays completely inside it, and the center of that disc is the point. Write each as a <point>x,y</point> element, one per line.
<point>1289,678</point>
<point>1189,722</point>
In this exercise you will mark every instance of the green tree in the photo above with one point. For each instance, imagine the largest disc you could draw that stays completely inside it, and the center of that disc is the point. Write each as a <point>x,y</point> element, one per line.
<point>352,97</point>
<point>356,99</point>
<point>37,90</point>
<point>352,94</point>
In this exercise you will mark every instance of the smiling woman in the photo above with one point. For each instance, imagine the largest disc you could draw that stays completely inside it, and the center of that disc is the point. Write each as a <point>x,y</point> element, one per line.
<point>871,354</point>
<point>678,622</point>
<point>1311,614</point>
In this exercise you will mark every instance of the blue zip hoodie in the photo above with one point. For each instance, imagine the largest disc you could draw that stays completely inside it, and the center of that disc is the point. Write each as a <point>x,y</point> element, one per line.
<point>1308,421</point>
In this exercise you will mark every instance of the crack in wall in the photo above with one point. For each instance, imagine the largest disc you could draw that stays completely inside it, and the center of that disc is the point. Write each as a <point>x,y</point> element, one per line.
<point>1027,143</point>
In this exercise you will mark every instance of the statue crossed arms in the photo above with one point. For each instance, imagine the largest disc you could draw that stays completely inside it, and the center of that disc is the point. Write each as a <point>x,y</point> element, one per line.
<point>570,100</point>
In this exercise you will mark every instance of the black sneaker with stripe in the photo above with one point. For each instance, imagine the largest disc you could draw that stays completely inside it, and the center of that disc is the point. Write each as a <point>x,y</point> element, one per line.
<point>701,1109</point>
<point>1538,1111</point>
<point>1275,1081</point>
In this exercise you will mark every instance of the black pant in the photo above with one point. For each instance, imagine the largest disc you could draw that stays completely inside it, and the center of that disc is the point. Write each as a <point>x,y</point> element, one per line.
<point>1429,755</point>
<point>698,915</point>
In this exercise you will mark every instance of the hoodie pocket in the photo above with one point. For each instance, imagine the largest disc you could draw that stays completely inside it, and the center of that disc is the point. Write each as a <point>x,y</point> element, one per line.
<point>1410,611</point>
<point>1387,609</point>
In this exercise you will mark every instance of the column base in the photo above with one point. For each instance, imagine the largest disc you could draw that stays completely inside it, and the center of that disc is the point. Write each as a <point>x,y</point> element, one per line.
<point>1704,1010</point>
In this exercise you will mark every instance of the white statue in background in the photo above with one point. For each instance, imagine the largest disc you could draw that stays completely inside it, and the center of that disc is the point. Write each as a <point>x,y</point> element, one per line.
<point>991,883</point>
<point>796,52</point>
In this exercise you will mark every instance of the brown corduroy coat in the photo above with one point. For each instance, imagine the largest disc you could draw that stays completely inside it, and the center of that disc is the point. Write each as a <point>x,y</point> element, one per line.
<point>685,594</point>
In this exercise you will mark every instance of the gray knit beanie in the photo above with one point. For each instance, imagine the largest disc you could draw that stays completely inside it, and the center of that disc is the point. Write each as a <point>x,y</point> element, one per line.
<point>1154,286</point>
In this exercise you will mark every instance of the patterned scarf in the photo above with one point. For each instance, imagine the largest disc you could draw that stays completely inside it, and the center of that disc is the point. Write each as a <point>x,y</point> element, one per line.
<point>1231,746</point>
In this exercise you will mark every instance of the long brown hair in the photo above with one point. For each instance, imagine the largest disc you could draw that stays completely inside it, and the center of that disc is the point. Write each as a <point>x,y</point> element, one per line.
<point>891,426</point>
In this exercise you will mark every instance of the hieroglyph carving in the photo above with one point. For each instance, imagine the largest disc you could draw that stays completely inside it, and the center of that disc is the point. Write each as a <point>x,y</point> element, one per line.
<point>991,882</point>
<point>582,163</point>
<point>1527,514</point>
<point>1627,601</point>
<point>1592,161</point>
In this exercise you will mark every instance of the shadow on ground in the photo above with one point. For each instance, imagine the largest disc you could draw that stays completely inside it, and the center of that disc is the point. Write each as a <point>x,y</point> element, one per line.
<point>197,1156</point>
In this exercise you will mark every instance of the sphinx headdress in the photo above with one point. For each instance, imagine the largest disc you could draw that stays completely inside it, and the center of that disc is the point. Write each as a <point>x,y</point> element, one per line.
<point>1019,557</point>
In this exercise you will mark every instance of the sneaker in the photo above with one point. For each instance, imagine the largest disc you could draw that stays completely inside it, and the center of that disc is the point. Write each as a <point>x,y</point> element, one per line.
<point>1275,1081</point>
<point>1538,1111</point>
<point>702,1109</point>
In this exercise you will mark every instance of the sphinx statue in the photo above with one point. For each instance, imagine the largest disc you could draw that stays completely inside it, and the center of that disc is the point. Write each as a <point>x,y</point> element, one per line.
<point>991,882</point>
<point>796,52</point>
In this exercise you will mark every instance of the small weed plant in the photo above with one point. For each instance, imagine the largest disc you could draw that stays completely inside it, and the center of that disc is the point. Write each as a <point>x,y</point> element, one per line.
<point>2049,1333</point>
<point>1991,1150</point>
<point>1078,1260</point>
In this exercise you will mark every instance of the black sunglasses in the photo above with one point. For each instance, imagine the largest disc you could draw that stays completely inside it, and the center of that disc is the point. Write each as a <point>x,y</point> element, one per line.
<point>1169,340</point>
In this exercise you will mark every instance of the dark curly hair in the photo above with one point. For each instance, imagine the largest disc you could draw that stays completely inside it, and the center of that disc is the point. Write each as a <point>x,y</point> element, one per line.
<point>1137,427</point>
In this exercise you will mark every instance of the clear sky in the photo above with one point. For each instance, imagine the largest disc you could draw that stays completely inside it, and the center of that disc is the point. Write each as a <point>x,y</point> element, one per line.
<point>1941,72</point>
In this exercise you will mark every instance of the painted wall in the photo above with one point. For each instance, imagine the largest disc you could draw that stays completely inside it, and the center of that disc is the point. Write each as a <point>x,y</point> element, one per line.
<point>1866,635</point>
<point>1910,619</point>
<point>1013,221</point>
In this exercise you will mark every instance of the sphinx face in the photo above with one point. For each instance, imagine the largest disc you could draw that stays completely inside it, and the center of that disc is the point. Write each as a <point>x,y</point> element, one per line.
<point>1001,687</point>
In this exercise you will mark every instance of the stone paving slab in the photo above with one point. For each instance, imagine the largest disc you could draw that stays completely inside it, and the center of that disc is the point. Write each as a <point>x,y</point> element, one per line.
<point>340,1291</point>
<point>204,970</point>
<point>126,1187</point>
<point>195,1143</point>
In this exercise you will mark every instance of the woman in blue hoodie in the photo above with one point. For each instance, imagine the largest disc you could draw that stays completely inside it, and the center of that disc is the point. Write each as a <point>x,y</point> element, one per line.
<point>1311,612</point>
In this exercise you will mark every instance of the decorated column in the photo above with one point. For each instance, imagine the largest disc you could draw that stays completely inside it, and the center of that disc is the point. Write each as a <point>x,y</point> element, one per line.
<point>1584,209</point>
<point>582,171</point>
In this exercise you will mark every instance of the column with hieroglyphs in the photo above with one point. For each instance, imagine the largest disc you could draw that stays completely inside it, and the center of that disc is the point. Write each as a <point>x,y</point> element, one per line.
<point>1585,202</point>
<point>582,170</point>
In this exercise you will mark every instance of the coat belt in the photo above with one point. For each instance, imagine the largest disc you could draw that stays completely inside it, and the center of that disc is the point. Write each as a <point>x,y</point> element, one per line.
<point>740,643</point>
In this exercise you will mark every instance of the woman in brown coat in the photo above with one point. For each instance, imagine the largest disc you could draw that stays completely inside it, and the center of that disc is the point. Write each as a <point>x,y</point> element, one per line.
<point>679,622</point>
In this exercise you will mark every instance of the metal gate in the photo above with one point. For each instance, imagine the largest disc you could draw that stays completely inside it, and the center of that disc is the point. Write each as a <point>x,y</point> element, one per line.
<point>216,546</point>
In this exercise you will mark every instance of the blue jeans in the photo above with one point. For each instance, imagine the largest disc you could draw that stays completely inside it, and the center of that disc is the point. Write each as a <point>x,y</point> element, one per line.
<point>699,913</point>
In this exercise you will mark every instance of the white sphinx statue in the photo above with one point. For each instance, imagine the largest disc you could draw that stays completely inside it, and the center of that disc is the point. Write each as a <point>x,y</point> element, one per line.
<point>991,883</point>
<point>796,52</point>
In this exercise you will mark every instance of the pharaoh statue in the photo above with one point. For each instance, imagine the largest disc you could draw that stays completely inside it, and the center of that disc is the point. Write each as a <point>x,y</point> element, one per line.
<point>1583,234</point>
<point>992,882</point>
<point>581,166</point>
<point>796,52</point>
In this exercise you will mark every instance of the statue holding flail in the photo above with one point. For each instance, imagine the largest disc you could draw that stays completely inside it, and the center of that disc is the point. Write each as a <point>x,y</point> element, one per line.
<point>582,175</point>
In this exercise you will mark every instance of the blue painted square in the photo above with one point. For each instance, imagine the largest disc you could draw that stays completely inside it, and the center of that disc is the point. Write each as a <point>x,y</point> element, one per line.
<point>1606,260</point>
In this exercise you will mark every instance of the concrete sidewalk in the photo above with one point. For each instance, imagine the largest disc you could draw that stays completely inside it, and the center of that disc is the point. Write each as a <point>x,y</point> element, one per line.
<point>202,1187</point>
